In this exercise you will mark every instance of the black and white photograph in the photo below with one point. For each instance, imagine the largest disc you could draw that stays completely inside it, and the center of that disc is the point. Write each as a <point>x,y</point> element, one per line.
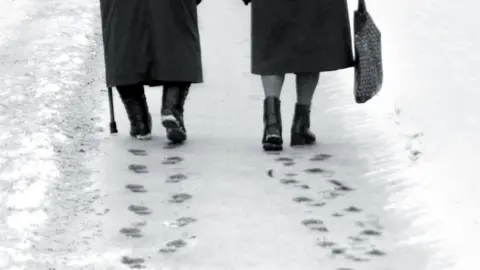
<point>239,135</point>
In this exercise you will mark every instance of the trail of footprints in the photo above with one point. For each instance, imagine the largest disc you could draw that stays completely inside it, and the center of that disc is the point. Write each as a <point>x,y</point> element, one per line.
<point>135,230</point>
<point>359,248</point>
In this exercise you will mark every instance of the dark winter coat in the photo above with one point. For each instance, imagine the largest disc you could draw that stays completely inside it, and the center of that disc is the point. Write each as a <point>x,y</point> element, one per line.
<point>151,41</point>
<point>300,36</point>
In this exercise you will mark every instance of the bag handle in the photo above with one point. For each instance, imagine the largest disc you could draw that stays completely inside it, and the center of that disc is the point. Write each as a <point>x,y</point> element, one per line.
<point>362,6</point>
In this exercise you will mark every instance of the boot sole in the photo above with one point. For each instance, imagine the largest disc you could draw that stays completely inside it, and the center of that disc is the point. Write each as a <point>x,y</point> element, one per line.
<point>273,143</point>
<point>298,140</point>
<point>143,137</point>
<point>176,135</point>
<point>272,147</point>
<point>169,121</point>
<point>174,131</point>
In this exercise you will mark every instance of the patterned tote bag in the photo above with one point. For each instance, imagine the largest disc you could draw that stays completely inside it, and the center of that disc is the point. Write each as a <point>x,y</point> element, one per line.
<point>368,53</point>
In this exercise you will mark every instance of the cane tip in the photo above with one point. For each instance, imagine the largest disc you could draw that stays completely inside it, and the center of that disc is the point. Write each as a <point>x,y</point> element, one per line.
<point>113,128</point>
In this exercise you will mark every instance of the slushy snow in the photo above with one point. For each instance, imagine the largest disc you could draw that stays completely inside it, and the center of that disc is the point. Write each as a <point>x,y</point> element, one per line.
<point>411,151</point>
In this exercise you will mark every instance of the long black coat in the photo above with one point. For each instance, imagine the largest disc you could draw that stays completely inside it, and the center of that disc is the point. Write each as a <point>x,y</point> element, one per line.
<point>151,41</point>
<point>300,36</point>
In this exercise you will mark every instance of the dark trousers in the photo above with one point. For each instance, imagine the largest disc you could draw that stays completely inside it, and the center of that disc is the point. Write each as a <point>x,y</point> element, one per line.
<point>132,90</point>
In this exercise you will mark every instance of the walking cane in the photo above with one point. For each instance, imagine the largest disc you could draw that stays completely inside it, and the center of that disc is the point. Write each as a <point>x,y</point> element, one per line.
<point>113,124</point>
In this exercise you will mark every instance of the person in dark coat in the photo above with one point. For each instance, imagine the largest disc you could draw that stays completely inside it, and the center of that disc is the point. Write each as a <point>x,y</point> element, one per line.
<point>303,37</point>
<point>154,43</point>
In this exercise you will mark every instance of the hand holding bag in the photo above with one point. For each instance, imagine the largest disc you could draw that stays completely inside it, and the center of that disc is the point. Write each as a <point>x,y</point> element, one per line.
<point>368,54</point>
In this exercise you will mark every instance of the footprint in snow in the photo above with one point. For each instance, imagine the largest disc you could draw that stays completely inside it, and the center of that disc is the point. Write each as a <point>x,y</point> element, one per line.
<point>376,252</point>
<point>138,152</point>
<point>414,155</point>
<point>303,186</point>
<point>320,157</point>
<point>137,168</point>
<point>133,262</point>
<point>131,232</point>
<point>338,251</point>
<point>370,232</point>
<point>329,195</point>
<point>173,246</point>
<point>354,258</point>
<point>180,198</point>
<point>317,204</point>
<point>353,209</point>
<point>315,225</point>
<point>140,210</point>
<point>184,221</point>
<point>319,171</point>
<point>287,162</point>
<point>326,243</point>
<point>356,239</point>
<point>176,178</point>
<point>140,224</point>
<point>179,243</point>
<point>339,186</point>
<point>172,160</point>
<point>283,159</point>
<point>370,228</point>
<point>302,199</point>
<point>181,222</point>
<point>136,188</point>
<point>288,181</point>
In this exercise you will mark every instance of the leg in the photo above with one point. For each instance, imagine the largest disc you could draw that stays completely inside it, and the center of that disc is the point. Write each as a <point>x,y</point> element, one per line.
<point>300,132</point>
<point>272,119</point>
<point>272,85</point>
<point>135,102</point>
<point>306,85</point>
<point>173,102</point>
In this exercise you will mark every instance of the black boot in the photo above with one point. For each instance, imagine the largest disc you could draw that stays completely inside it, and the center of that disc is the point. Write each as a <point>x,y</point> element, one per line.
<point>137,111</point>
<point>272,120</point>
<point>173,102</point>
<point>145,130</point>
<point>301,134</point>
<point>184,90</point>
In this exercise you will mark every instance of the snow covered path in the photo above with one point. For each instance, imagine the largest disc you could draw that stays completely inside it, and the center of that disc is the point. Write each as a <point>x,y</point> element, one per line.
<point>432,63</point>
<point>107,202</point>
<point>48,116</point>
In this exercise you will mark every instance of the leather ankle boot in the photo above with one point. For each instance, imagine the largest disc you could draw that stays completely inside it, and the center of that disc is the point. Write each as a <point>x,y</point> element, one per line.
<point>138,114</point>
<point>173,101</point>
<point>272,120</point>
<point>300,133</point>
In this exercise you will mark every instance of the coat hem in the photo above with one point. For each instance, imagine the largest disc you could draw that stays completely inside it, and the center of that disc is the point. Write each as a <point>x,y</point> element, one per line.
<point>259,71</point>
<point>152,83</point>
